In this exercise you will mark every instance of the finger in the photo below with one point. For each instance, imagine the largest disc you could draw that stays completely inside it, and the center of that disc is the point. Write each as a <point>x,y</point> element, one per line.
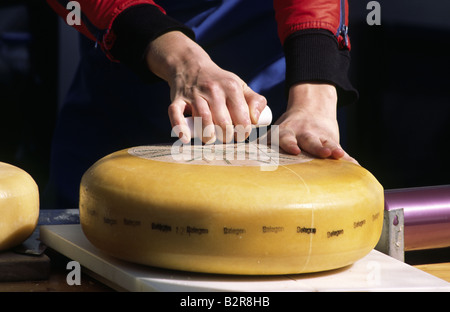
<point>239,113</point>
<point>287,141</point>
<point>256,103</point>
<point>239,110</point>
<point>221,118</point>
<point>200,108</point>
<point>336,150</point>
<point>179,125</point>
<point>313,145</point>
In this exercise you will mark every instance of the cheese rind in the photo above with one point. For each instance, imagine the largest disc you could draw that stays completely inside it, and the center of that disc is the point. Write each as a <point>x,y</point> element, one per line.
<point>19,206</point>
<point>302,217</point>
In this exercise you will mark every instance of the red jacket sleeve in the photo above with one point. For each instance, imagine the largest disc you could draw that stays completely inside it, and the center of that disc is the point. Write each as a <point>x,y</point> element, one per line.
<point>98,16</point>
<point>295,15</point>
<point>123,28</point>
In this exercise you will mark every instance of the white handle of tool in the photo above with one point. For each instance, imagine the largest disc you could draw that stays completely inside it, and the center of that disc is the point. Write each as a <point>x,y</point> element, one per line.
<point>264,120</point>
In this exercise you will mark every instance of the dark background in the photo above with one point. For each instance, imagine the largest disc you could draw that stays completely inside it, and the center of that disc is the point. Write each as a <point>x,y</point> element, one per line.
<point>28,85</point>
<point>399,129</point>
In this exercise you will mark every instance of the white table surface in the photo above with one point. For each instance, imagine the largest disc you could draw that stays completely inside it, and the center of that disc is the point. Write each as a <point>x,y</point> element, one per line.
<point>375,272</point>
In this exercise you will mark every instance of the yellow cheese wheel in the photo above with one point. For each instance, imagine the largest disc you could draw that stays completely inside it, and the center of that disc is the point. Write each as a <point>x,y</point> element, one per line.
<point>19,206</point>
<point>202,211</point>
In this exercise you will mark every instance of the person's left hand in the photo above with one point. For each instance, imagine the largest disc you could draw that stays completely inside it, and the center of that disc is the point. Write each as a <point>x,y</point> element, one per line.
<point>310,122</point>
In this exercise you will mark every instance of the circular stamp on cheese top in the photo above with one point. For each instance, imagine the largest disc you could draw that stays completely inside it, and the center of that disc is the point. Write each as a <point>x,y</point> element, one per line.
<point>19,205</point>
<point>233,154</point>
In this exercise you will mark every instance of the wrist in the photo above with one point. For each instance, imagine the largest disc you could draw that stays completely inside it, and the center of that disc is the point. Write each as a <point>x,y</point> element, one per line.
<point>315,55</point>
<point>133,29</point>
<point>172,53</point>
<point>314,98</point>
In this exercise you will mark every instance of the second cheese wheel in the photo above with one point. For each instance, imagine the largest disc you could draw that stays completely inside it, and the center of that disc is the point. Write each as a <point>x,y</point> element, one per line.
<point>19,205</point>
<point>238,216</point>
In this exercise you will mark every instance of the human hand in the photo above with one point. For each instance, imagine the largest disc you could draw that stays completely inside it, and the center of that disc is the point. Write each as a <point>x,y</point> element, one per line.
<point>201,88</point>
<point>310,122</point>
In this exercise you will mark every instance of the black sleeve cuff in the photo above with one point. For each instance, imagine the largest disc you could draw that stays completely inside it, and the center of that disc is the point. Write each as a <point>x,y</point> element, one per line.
<point>313,55</point>
<point>134,29</point>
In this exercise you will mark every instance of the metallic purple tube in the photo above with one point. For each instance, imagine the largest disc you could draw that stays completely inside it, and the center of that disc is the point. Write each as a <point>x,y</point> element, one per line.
<point>426,215</point>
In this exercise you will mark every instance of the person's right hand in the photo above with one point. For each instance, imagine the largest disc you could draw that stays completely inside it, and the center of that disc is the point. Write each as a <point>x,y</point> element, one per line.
<point>201,88</point>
